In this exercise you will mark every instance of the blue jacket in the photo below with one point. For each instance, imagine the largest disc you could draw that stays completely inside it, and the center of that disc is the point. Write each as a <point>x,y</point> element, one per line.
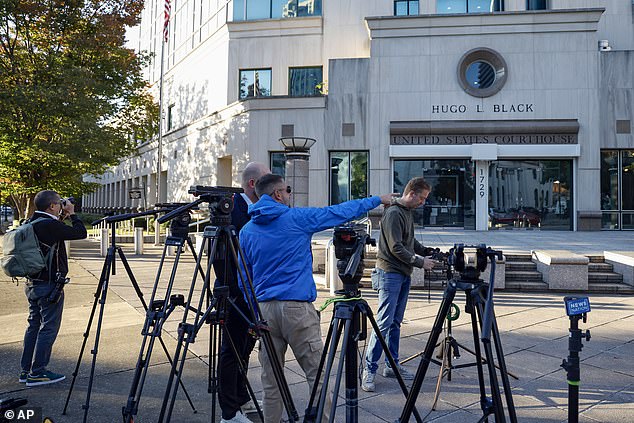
<point>276,244</point>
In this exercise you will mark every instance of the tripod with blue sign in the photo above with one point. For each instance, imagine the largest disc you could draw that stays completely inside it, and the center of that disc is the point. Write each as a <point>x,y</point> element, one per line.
<point>479,304</point>
<point>577,308</point>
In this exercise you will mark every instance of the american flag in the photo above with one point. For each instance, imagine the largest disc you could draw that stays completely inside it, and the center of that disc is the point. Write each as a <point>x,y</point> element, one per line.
<point>166,23</point>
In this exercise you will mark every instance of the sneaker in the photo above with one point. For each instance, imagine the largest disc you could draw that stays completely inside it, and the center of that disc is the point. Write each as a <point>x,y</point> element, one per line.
<point>44,378</point>
<point>367,381</point>
<point>405,374</point>
<point>249,407</point>
<point>23,376</point>
<point>238,418</point>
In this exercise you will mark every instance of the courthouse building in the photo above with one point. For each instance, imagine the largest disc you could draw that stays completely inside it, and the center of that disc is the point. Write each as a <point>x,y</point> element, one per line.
<point>519,113</point>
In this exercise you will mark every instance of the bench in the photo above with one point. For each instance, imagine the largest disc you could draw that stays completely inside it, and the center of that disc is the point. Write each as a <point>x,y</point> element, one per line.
<point>622,262</point>
<point>561,269</point>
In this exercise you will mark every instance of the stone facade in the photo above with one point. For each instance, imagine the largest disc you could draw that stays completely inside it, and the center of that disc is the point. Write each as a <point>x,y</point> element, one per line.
<point>382,71</point>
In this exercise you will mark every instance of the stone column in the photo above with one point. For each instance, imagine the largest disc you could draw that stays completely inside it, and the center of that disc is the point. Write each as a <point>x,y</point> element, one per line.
<point>482,195</point>
<point>297,150</point>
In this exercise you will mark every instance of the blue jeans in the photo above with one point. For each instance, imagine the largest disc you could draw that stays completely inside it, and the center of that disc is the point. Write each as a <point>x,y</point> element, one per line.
<point>44,321</point>
<point>393,292</point>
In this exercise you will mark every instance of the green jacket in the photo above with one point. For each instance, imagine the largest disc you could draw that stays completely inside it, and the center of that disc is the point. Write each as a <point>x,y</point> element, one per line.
<point>397,244</point>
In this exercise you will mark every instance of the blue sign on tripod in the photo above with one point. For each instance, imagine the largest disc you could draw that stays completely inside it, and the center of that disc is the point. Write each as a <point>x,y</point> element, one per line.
<point>577,305</point>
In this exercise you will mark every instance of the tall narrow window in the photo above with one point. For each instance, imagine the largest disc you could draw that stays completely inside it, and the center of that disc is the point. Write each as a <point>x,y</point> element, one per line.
<point>303,82</point>
<point>170,117</point>
<point>278,163</point>
<point>405,7</point>
<point>255,83</point>
<point>348,175</point>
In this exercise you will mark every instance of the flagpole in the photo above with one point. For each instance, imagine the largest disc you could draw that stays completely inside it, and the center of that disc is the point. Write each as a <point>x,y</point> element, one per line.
<point>159,148</point>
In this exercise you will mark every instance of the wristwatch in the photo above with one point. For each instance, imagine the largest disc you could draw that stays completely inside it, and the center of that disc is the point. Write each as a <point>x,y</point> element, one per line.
<point>413,259</point>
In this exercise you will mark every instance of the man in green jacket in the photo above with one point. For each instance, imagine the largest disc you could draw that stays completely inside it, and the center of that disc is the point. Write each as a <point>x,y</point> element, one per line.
<point>399,252</point>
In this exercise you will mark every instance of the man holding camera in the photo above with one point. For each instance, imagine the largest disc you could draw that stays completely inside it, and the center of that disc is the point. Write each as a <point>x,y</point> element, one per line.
<point>276,244</point>
<point>398,253</point>
<point>44,293</point>
<point>233,396</point>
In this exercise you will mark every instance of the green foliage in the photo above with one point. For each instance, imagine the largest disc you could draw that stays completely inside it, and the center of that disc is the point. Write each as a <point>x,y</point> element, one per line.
<point>72,97</point>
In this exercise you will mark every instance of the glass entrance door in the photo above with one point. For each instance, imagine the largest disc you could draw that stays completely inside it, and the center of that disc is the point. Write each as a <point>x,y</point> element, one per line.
<point>451,202</point>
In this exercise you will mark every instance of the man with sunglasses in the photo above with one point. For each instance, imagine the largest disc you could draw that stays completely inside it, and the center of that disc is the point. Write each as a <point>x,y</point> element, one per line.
<point>276,244</point>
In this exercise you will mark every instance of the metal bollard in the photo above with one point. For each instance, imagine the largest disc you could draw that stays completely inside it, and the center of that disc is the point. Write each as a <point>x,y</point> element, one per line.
<point>67,243</point>
<point>104,242</point>
<point>157,233</point>
<point>138,241</point>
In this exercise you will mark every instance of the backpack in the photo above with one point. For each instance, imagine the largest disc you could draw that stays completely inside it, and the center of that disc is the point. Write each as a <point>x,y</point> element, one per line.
<point>22,254</point>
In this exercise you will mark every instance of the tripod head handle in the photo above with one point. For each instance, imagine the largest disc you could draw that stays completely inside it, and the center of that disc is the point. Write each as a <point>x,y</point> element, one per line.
<point>126,216</point>
<point>179,210</point>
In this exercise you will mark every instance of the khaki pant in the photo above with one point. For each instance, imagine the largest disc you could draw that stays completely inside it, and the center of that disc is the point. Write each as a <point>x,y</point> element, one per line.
<point>296,324</point>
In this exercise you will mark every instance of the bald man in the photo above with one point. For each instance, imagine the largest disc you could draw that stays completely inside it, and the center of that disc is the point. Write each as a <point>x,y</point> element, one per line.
<point>233,394</point>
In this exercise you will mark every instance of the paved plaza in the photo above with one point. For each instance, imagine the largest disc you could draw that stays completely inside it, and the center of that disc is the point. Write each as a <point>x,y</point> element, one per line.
<point>534,334</point>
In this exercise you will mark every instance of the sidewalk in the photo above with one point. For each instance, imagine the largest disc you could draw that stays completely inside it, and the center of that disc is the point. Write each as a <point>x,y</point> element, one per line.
<point>534,334</point>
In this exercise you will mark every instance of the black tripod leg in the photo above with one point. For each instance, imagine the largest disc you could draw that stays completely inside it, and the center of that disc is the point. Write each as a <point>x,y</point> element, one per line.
<point>390,359</point>
<point>445,305</point>
<point>475,330</point>
<point>504,374</point>
<point>311,412</point>
<point>498,408</point>
<point>105,274</point>
<point>332,352</point>
<point>95,350</point>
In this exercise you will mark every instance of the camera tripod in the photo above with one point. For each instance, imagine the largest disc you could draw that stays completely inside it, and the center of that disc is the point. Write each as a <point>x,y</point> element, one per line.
<point>159,311</point>
<point>479,305</point>
<point>109,267</point>
<point>349,318</point>
<point>219,239</point>
<point>448,350</point>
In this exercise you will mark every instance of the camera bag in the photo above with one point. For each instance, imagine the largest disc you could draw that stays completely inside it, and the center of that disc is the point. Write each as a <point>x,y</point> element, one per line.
<point>22,254</point>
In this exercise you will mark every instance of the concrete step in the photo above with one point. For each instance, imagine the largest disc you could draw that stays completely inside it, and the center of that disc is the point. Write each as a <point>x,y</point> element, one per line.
<point>518,266</point>
<point>600,267</point>
<point>605,277</point>
<point>517,257</point>
<point>520,286</point>
<point>596,259</point>
<point>609,288</point>
<point>519,276</point>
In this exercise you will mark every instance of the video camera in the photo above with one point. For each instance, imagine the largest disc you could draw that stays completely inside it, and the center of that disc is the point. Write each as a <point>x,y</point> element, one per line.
<point>350,241</point>
<point>220,201</point>
<point>470,265</point>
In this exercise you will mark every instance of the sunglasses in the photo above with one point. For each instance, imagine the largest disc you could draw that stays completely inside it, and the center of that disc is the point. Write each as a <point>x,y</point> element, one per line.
<point>288,189</point>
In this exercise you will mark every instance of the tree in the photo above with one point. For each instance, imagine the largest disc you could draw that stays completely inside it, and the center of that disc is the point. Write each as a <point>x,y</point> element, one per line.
<point>72,97</point>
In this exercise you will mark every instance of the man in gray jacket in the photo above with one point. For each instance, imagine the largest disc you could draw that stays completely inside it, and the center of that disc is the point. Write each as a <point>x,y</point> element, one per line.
<point>399,252</point>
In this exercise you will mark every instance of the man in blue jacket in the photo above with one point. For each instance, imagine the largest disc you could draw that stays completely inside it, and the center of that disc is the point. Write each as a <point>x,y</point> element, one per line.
<point>276,244</point>
<point>233,396</point>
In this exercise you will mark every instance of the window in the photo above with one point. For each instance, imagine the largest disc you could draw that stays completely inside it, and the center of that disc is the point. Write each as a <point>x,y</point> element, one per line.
<point>246,10</point>
<point>469,6</point>
<point>278,163</point>
<point>255,83</point>
<point>617,189</point>
<point>303,82</point>
<point>451,201</point>
<point>405,7</point>
<point>348,175</point>
<point>526,202</point>
<point>536,4</point>
<point>170,117</point>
